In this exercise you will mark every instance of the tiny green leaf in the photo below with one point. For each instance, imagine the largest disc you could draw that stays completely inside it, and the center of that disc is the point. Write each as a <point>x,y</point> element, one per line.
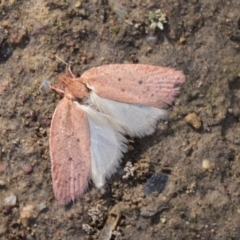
<point>151,16</point>
<point>153,25</point>
<point>160,25</point>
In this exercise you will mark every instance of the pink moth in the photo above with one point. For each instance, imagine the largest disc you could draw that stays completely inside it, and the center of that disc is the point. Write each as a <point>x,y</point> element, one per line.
<point>88,128</point>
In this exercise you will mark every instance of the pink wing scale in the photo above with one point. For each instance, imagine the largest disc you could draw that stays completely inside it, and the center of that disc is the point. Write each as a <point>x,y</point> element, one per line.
<point>135,83</point>
<point>70,151</point>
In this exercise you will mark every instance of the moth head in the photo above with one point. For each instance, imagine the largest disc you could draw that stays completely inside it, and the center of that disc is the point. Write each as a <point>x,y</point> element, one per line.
<point>73,87</point>
<point>64,80</point>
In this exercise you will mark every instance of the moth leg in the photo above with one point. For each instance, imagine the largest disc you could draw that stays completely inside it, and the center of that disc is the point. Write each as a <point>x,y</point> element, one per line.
<point>57,89</point>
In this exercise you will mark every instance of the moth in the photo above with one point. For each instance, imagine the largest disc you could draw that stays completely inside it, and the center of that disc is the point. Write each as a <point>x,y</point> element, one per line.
<point>89,125</point>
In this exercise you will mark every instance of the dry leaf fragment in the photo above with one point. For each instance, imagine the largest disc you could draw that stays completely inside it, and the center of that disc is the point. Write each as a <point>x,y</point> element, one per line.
<point>111,223</point>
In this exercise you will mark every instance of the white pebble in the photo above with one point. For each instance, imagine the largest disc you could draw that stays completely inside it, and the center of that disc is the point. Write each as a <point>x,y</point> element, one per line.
<point>11,200</point>
<point>206,164</point>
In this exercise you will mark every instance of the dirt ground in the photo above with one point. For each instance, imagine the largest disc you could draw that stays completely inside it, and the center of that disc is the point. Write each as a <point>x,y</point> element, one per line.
<point>201,199</point>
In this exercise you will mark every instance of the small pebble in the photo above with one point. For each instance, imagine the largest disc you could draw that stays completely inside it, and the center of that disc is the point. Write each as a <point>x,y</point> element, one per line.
<point>5,23</point>
<point>70,216</point>
<point>206,164</point>
<point>27,170</point>
<point>41,207</point>
<point>155,183</point>
<point>149,49</point>
<point>163,220</point>
<point>87,199</point>
<point>134,206</point>
<point>45,84</point>
<point>27,213</point>
<point>10,200</point>
<point>84,59</point>
<point>182,40</point>
<point>4,86</point>
<point>3,167</point>
<point>5,53</point>
<point>78,4</point>
<point>2,183</point>
<point>133,58</point>
<point>194,120</point>
<point>151,40</point>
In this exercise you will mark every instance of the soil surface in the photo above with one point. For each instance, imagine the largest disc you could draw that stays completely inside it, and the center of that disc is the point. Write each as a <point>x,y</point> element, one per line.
<point>199,156</point>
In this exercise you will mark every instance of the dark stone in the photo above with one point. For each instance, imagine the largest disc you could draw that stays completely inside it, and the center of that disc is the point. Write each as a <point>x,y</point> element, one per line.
<point>155,183</point>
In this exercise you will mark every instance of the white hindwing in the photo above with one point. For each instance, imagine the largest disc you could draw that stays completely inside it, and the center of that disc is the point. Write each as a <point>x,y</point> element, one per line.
<point>137,120</point>
<point>107,128</point>
<point>107,145</point>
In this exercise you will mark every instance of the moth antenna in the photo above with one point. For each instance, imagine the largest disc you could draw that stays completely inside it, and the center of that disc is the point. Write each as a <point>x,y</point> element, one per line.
<point>61,60</point>
<point>67,65</point>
